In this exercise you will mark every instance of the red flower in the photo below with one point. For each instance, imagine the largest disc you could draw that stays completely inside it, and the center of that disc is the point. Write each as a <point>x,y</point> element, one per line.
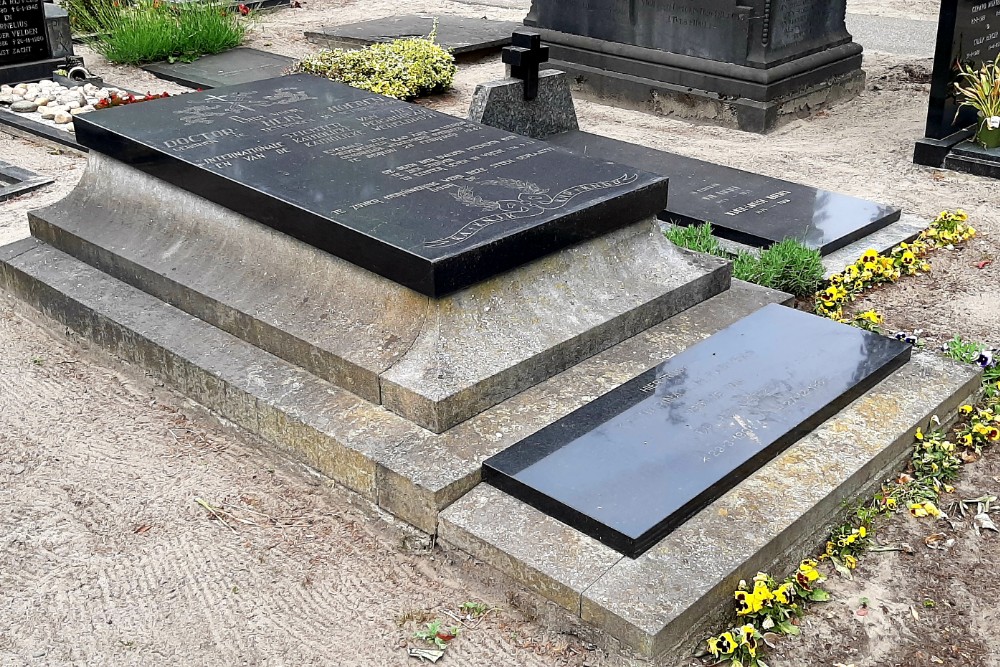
<point>244,10</point>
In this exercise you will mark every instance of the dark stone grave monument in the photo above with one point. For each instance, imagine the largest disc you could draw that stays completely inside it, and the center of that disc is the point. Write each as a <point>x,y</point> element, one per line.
<point>15,181</point>
<point>374,164</point>
<point>637,462</point>
<point>391,296</point>
<point>461,35</point>
<point>968,33</point>
<point>24,45</point>
<point>236,66</point>
<point>742,206</point>
<point>748,64</point>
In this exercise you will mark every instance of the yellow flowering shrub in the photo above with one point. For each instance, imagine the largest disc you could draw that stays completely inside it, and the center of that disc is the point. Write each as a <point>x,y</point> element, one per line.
<point>764,605</point>
<point>403,69</point>
<point>873,269</point>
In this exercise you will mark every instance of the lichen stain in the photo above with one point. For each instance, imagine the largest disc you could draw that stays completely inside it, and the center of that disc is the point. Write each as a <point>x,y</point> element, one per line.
<point>879,409</point>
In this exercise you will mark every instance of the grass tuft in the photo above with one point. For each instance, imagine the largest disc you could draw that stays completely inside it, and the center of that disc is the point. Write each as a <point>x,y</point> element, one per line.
<point>133,33</point>
<point>788,266</point>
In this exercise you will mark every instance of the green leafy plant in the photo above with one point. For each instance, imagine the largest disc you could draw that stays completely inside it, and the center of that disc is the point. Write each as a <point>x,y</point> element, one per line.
<point>788,266</point>
<point>403,69</point>
<point>695,237</point>
<point>475,609</point>
<point>434,633</point>
<point>979,89</point>
<point>149,30</point>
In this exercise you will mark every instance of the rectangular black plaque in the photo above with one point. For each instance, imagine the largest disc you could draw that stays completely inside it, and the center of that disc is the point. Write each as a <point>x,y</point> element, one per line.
<point>431,201</point>
<point>636,463</point>
<point>968,33</point>
<point>742,206</point>
<point>229,68</point>
<point>22,32</point>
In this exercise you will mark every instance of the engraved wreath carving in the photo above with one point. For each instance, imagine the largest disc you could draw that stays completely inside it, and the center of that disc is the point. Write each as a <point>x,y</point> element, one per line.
<point>531,201</point>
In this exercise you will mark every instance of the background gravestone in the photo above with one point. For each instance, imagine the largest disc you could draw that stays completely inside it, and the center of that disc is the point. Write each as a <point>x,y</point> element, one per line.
<point>744,62</point>
<point>968,33</point>
<point>34,40</point>
<point>22,32</point>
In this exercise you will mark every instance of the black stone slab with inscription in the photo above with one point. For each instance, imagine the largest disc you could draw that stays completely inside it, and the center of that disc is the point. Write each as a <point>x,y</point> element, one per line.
<point>229,68</point>
<point>742,206</point>
<point>636,463</point>
<point>428,200</point>
<point>968,33</point>
<point>22,32</point>
<point>459,34</point>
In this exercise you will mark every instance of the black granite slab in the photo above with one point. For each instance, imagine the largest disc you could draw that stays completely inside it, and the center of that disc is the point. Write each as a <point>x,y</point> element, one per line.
<point>22,32</point>
<point>431,201</point>
<point>968,33</point>
<point>230,68</point>
<point>459,34</point>
<point>636,463</point>
<point>15,181</point>
<point>749,208</point>
<point>972,158</point>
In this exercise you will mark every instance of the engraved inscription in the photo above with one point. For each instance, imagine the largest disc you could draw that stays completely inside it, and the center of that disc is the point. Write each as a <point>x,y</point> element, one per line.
<point>22,31</point>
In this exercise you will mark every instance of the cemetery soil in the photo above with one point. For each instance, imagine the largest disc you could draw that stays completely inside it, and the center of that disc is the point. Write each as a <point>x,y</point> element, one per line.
<point>134,529</point>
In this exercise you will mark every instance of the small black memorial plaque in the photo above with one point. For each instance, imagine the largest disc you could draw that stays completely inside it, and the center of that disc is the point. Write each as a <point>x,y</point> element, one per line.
<point>748,208</point>
<point>428,200</point>
<point>636,463</point>
<point>22,32</point>
<point>968,33</point>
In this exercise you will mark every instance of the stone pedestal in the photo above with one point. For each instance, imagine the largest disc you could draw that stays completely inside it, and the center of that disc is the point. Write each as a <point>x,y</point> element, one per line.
<point>749,64</point>
<point>501,104</point>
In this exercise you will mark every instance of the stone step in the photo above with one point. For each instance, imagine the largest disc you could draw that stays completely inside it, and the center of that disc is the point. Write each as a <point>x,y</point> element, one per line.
<point>409,471</point>
<point>667,600</point>
<point>436,362</point>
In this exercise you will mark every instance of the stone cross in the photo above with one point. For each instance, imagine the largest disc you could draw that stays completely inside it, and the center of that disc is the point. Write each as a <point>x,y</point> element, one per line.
<point>524,56</point>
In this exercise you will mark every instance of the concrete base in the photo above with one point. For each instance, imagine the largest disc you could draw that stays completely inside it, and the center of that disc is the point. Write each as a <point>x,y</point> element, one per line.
<point>436,362</point>
<point>409,471</point>
<point>746,98</point>
<point>659,604</point>
<point>33,71</point>
<point>664,603</point>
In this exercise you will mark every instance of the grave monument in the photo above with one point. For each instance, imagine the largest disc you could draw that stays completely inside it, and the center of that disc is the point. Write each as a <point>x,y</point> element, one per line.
<point>968,33</point>
<point>34,40</point>
<point>430,293</point>
<point>747,63</point>
<point>745,208</point>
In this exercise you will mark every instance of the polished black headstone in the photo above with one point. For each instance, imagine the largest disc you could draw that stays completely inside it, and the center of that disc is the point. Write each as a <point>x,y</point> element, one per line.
<point>230,68</point>
<point>749,208</point>
<point>968,33</point>
<point>22,32</point>
<point>459,34</point>
<point>431,201</point>
<point>636,463</point>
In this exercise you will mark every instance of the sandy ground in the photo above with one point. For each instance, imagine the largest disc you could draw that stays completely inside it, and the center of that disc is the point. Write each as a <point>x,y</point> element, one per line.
<point>106,558</point>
